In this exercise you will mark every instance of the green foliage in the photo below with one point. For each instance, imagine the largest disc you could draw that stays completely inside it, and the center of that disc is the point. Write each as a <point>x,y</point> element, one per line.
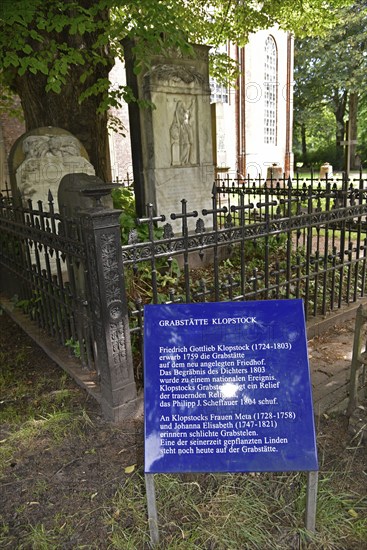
<point>256,249</point>
<point>28,306</point>
<point>328,69</point>
<point>362,131</point>
<point>35,408</point>
<point>219,512</point>
<point>39,538</point>
<point>225,70</point>
<point>123,198</point>
<point>316,157</point>
<point>139,282</point>
<point>167,272</point>
<point>8,104</point>
<point>74,345</point>
<point>43,37</point>
<point>319,134</point>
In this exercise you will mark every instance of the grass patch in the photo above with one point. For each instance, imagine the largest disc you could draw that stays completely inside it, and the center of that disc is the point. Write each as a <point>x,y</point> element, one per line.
<point>39,432</point>
<point>36,408</point>
<point>232,511</point>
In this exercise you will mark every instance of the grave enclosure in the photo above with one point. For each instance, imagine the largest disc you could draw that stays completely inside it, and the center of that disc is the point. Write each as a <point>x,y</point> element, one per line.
<point>321,268</point>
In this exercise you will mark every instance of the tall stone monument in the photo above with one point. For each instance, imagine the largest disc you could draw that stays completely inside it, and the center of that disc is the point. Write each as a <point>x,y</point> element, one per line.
<point>39,160</point>
<point>171,142</point>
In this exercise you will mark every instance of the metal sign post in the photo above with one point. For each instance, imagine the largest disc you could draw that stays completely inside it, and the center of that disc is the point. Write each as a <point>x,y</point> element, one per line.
<point>152,509</point>
<point>311,501</point>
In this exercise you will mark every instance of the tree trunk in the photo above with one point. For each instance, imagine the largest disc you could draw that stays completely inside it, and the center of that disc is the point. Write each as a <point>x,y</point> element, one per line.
<point>353,129</point>
<point>340,103</point>
<point>304,143</point>
<point>64,111</point>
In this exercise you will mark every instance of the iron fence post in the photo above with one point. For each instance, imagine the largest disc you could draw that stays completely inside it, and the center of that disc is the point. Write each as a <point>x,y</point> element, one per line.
<point>109,312</point>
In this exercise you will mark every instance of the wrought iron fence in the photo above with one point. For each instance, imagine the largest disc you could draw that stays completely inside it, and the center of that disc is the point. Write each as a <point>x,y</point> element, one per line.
<point>66,274</point>
<point>279,240</point>
<point>5,191</point>
<point>260,240</point>
<point>43,261</point>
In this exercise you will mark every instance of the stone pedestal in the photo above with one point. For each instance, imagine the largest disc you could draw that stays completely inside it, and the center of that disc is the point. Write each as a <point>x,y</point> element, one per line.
<point>172,142</point>
<point>326,171</point>
<point>275,172</point>
<point>113,353</point>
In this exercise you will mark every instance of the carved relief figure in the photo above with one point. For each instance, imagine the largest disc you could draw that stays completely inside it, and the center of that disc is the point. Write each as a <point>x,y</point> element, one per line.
<point>47,159</point>
<point>175,142</point>
<point>182,135</point>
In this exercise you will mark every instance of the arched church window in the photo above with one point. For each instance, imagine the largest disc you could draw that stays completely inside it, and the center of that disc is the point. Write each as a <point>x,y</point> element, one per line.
<point>270,93</point>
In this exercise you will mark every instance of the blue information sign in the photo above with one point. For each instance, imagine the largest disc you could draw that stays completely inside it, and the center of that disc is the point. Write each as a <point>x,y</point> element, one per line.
<point>227,388</point>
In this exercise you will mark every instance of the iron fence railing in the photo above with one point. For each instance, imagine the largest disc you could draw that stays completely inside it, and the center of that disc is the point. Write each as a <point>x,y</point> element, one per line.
<point>43,261</point>
<point>5,191</point>
<point>273,242</point>
<point>288,196</point>
<point>66,274</point>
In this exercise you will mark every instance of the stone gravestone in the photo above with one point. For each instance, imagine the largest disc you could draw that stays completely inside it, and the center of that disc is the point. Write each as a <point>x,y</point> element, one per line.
<point>40,158</point>
<point>70,197</point>
<point>172,142</point>
<point>71,201</point>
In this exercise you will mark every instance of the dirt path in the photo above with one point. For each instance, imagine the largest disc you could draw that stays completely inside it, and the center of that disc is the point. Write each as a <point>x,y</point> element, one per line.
<point>64,488</point>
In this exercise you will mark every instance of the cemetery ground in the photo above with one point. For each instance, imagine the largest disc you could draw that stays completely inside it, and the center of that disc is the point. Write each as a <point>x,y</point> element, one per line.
<point>69,480</point>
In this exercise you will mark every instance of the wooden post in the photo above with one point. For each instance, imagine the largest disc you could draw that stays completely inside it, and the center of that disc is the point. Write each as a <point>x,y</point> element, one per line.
<point>347,143</point>
<point>358,359</point>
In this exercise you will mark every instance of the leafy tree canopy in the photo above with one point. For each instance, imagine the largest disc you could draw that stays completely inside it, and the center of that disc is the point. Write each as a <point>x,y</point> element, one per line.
<point>57,55</point>
<point>331,69</point>
<point>53,38</point>
<point>338,59</point>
